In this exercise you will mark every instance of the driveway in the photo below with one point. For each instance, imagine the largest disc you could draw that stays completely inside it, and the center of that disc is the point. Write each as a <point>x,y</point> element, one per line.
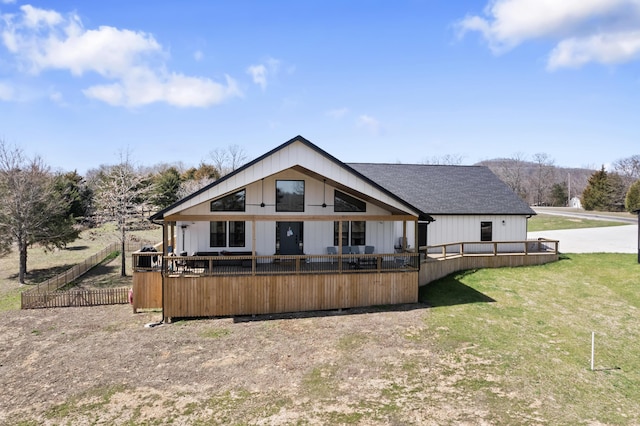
<point>610,239</point>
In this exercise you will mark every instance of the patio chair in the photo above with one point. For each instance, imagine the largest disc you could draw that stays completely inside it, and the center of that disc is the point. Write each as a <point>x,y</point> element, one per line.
<point>368,261</point>
<point>182,263</point>
<point>331,250</point>
<point>353,261</point>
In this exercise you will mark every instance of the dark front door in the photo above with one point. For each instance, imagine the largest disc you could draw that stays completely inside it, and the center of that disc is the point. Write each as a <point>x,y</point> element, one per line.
<point>289,235</point>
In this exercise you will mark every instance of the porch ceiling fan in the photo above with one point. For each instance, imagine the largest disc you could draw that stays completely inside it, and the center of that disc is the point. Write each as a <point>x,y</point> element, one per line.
<point>261,204</point>
<point>324,204</point>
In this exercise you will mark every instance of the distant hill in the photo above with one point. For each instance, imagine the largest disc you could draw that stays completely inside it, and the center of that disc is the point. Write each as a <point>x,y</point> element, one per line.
<point>533,181</point>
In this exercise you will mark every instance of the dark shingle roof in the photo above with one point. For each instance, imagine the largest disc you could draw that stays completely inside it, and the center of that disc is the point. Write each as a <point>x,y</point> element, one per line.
<point>438,189</point>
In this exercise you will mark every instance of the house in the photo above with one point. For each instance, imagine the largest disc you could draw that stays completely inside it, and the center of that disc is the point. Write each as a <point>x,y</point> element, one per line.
<point>297,229</point>
<point>467,203</point>
<point>575,203</point>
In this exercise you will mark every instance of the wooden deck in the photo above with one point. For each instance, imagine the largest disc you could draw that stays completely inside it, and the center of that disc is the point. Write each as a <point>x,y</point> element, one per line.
<point>445,259</point>
<point>202,296</point>
<point>206,286</point>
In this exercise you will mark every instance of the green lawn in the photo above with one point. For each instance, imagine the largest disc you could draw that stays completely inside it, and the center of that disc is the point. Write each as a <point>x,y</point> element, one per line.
<point>526,333</point>
<point>547,222</point>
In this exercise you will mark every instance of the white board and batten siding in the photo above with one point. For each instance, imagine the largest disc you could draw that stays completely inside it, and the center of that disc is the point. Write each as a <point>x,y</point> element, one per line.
<point>295,154</point>
<point>318,235</point>
<point>458,228</point>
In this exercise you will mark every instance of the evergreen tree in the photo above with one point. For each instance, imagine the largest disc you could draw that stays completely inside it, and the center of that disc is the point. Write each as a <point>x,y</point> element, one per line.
<point>78,196</point>
<point>165,188</point>
<point>601,192</point>
<point>558,195</point>
<point>632,200</point>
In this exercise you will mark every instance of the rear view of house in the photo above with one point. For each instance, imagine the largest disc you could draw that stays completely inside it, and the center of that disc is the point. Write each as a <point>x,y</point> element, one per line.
<point>297,229</point>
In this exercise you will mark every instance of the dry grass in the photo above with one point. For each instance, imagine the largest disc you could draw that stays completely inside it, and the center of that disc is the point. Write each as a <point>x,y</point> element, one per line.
<point>42,264</point>
<point>501,347</point>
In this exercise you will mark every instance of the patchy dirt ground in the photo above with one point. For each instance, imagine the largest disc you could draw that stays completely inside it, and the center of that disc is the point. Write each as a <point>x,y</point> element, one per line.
<point>103,366</point>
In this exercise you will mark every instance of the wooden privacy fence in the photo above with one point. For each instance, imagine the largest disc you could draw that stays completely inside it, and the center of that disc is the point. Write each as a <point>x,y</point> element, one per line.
<point>76,298</point>
<point>46,294</point>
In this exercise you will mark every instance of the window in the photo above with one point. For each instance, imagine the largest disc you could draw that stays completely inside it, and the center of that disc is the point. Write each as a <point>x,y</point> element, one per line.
<point>358,233</point>
<point>231,203</point>
<point>236,234</point>
<point>289,195</point>
<point>486,231</point>
<point>353,233</point>
<point>345,233</point>
<point>346,203</point>
<point>422,234</point>
<point>218,236</point>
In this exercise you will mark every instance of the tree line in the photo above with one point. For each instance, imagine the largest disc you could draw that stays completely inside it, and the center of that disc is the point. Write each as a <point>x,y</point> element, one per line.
<point>49,208</point>
<point>540,182</point>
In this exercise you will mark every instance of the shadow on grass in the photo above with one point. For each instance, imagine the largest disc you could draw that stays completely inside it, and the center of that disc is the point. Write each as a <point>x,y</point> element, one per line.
<point>76,248</point>
<point>103,275</point>
<point>330,313</point>
<point>35,276</point>
<point>449,291</point>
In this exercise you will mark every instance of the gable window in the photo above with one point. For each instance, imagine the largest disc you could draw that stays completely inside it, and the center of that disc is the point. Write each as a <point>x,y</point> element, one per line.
<point>289,195</point>
<point>230,203</point>
<point>218,236</point>
<point>353,233</point>
<point>486,231</point>
<point>346,203</point>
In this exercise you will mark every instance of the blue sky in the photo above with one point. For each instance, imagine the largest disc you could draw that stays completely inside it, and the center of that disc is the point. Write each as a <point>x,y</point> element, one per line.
<point>368,81</point>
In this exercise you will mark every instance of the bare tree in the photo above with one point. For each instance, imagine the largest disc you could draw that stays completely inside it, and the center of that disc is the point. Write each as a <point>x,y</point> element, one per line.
<point>190,186</point>
<point>628,169</point>
<point>228,160</point>
<point>512,171</point>
<point>237,157</point>
<point>120,193</point>
<point>445,160</point>
<point>32,211</point>
<point>543,178</point>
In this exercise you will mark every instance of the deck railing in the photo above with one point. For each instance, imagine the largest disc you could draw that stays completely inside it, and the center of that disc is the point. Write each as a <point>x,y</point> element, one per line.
<point>273,265</point>
<point>491,248</point>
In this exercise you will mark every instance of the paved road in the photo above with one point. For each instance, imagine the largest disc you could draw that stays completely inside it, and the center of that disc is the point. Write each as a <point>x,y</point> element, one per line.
<point>561,211</point>
<point>610,239</point>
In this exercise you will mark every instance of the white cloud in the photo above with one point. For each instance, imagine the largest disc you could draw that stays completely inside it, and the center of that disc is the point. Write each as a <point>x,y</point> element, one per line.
<point>260,73</point>
<point>6,92</point>
<point>338,112</point>
<point>369,123</point>
<point>198,55</point>
<point>144,88</point>
<point>56,97</point>
<point>7,1</point>
<point>603,31</point>
<point>603,48</point>
<point>132,62</point>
